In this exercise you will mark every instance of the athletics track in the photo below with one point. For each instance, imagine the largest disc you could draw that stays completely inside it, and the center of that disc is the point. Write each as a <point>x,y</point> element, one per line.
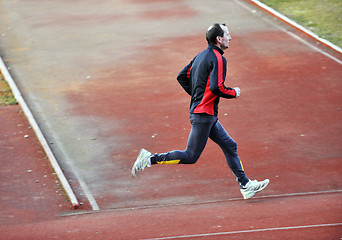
<point>105,86</point>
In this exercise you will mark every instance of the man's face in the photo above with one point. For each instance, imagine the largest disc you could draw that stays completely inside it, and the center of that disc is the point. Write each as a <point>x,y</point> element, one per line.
<point>224,41</point>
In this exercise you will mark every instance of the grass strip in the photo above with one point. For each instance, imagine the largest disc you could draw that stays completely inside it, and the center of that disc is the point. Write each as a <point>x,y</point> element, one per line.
<point>323,17</point>
<point>6,96</point>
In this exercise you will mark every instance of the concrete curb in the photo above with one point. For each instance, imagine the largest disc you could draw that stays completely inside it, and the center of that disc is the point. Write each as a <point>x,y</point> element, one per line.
<point>41,138</point>
<point>296,25</point>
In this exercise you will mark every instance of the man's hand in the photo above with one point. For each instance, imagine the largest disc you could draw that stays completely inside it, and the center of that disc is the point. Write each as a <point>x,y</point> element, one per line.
<point>237,90</point>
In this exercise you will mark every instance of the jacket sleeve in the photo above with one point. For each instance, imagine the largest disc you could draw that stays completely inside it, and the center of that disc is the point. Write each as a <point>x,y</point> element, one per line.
<point>217,77</point>
<point>184,78</point>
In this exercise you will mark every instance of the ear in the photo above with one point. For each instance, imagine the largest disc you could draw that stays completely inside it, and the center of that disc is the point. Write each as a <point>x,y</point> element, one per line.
<point>219,39</point>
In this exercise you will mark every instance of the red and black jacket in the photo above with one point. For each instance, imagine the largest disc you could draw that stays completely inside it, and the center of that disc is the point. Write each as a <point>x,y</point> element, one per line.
<point>203,78</point>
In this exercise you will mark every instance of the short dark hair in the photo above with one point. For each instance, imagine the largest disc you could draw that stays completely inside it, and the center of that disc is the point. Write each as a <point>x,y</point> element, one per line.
<point>213,31</point>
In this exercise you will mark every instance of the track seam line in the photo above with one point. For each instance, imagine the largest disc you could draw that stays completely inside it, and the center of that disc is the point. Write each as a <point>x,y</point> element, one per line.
<point>232,199</point>
<point>249,231</point>
<point>206,202</point>
<point>53,161</point>
<point>313,47</point>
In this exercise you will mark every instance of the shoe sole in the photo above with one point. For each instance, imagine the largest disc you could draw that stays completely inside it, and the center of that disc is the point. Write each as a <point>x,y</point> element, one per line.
<point>133,173</point>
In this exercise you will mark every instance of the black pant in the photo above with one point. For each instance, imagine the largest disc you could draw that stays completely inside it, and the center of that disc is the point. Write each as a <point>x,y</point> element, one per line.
<point>203,127</point>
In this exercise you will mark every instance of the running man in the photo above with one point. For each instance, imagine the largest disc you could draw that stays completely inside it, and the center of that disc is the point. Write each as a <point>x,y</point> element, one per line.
<point>204,80</point>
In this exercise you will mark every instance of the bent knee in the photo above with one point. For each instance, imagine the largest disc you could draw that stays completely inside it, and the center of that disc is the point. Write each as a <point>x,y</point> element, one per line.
<point>231,148</point>
<point>234,146</point>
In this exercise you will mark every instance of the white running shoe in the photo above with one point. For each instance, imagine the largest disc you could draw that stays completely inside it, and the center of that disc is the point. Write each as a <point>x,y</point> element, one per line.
<point>143,161</point>
<point>253,187</point>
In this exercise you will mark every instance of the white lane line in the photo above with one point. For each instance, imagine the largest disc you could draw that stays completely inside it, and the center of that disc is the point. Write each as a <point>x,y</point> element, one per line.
<point>313,47</point>
<point>290,22</point>
<point>249,231</point>
<point>296,25</point>
<point>76,173</point>
<point>17,94</point>
<point>88,194</point>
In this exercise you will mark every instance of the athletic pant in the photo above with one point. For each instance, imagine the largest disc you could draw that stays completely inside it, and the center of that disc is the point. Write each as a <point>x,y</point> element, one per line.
<point>203,127</point>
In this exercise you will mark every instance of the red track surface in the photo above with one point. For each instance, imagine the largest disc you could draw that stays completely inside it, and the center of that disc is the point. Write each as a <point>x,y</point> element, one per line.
<point>287,123</point>
<point>220,220</point>
<point>28,187</point>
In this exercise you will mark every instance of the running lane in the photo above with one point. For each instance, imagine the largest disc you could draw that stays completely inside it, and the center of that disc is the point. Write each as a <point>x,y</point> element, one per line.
<point>101,81</point>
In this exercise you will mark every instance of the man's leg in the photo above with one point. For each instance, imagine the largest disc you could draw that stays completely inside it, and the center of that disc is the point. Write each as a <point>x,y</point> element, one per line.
<point>198,137</point>
<point>229,147</point>
<point>248,188</point>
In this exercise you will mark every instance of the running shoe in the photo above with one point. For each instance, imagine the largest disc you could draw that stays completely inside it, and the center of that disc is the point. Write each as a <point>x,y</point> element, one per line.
<point>253,187</point>
<point>143,161</point>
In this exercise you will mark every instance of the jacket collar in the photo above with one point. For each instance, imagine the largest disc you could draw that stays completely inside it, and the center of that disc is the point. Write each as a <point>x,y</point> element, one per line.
<point>216,48</point>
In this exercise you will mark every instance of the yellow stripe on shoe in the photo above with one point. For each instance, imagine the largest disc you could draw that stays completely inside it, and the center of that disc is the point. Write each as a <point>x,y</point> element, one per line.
<point>171,162</point>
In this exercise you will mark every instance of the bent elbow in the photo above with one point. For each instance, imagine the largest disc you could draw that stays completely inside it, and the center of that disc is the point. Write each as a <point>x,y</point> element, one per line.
<point>215,90</point>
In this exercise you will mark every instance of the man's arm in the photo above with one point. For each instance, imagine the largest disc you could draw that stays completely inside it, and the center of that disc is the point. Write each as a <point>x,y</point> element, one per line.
<point>184,78</point>
<point>217,78</point>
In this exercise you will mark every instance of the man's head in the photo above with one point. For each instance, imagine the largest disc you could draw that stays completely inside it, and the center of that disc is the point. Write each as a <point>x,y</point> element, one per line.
<point>218,35</point>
